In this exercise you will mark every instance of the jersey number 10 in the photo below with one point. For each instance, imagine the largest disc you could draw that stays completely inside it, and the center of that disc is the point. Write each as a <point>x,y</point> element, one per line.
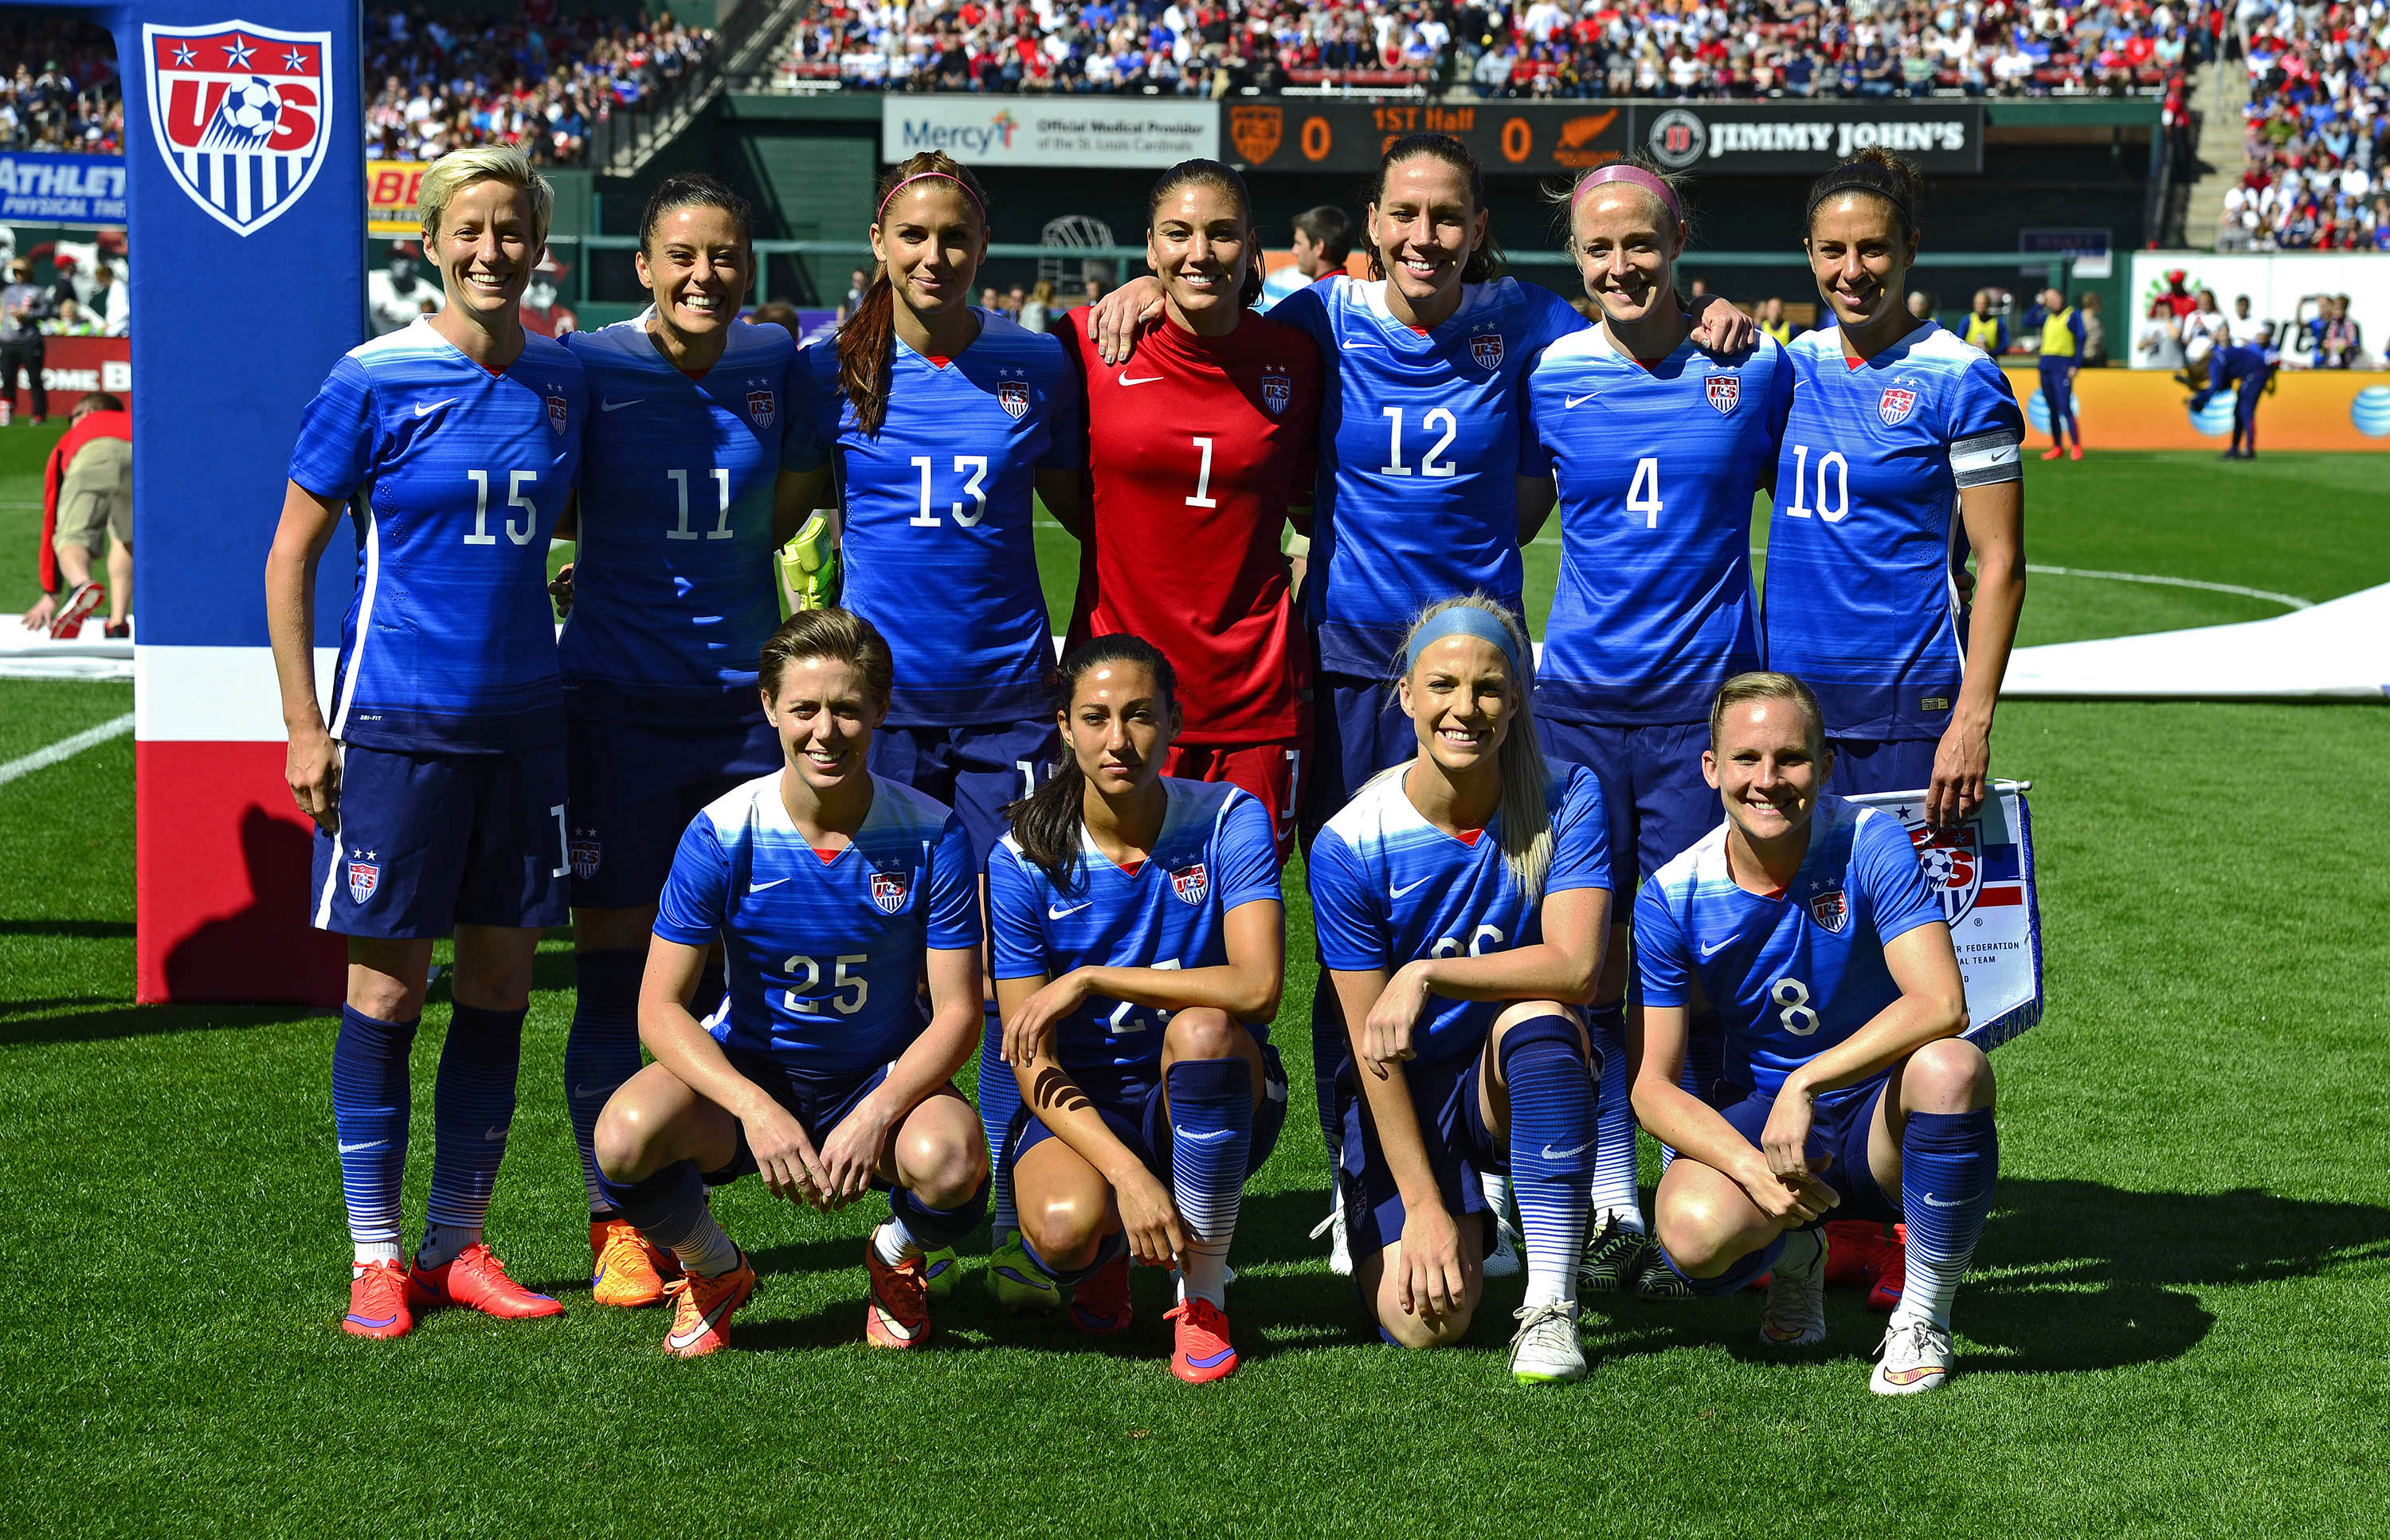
<point>1830,508</point>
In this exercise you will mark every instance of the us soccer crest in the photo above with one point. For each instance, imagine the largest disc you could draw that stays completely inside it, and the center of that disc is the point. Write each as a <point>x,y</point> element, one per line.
<point>365,876</point>
<point>583,853</point>
<point>1954,867</point>
<point>1831,909</point>
<point>1190,884</point>
<point>763,407</point>
<point>1013,396</point>
<point>239,114</point>
<point>1897,403</point>
<point>1982,878</point>
<point>1725,391</point>
<point>556,409</point>
<point>1486,348</point>
<point>888,891</point>
<point>1276,391</point>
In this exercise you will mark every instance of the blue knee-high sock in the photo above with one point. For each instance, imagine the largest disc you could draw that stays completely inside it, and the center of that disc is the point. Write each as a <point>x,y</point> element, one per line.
<point>1113,1245</point>
<point>1329,1048</point>
<point>1950,1163</point>
<point>1553,1124</point>
<point>999,1103</point>
<point>1614,1192</point>
<point>370,1103</point>
<point>601,1051</point>
<point>935,1229</point>
<point>1211,1140</point>
<point>472,1109</point>
<point>669,1208</point>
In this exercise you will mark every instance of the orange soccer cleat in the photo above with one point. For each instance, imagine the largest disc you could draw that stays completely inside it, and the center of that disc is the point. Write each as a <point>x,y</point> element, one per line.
<point>2074,453</point>
<point>1203,1353</point>
<point>897,1315</point>
<point>629,1271</point>
<point>701,1308</point>
<point>378,1301</point>
<point>476,1280</point>
<point>2055,452</point>
<point>1101,1304</point>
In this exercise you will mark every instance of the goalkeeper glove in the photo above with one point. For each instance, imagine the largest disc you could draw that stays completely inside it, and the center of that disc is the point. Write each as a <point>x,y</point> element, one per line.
<point>808,565</point>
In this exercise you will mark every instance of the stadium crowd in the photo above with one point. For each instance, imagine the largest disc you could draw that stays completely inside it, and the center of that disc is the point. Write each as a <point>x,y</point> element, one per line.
<point>2318,79</point>
<point>1666,48</point>
<point>540,81</point>
<point>57,88</point>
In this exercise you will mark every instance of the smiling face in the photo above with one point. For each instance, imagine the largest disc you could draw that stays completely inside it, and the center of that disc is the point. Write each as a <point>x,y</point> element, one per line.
<point>1200,247</point>
<point>698,263</point>
<point>1119,726</point>
<point>1626,249</point>
<point>1460,699</point>
<point>932,240</point>
<point>1859,256</point>
<point>825,715</point>
<point>1425,226</point>
<point>1767,767</point>
<point>485,246</point>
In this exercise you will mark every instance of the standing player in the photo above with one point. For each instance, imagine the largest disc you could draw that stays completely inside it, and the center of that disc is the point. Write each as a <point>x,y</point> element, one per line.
<point>1899,456</point>
<point>939,421</point>
<point>1194,454</point>
<point>2061,356</point>
<point>1140,946</point>
<point>834,892</point>
<point>1462,903</point>
<point>1656,449</point>
<point>438,786</point>
<point>1807,919</point>
<point>671,599</point>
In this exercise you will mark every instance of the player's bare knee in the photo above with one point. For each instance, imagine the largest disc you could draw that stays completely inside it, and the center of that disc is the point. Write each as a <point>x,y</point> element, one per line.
<point>1203,1033</point>
<point>621,1144</point>
<point>1950,1075</point>
<point>943,1166</point>
<point>1693,1234</point>
<point>1062,1232</point>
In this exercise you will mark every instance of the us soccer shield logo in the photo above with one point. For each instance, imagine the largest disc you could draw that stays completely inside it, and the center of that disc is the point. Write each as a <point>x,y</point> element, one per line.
<point>888,891</point>
<point>238,115</point>
<point>583,852</point>
<point>365,876</point>
<point>1725,391</point>
<point>556,409</point>
<point>1896,406</point>
<point>1486,348</point>
<point>1190,884</point>
<point>1831,909</point>
<point>1276,391</point>
<point>1013,396</point>
<point>1954,866</point>
<point>763,407</point>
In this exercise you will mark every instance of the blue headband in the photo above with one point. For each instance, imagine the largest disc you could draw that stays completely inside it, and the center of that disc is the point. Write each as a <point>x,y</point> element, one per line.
<point>1466,620</point>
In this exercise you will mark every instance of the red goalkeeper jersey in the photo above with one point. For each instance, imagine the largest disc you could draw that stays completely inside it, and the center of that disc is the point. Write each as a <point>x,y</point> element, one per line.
<point>1196,448</point>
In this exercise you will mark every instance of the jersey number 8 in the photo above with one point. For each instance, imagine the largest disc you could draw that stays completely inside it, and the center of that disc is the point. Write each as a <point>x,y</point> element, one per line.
<point>1792,997</point>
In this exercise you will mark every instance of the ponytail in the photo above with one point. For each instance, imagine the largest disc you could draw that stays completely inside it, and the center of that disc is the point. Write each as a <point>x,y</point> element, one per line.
<point>867,342</point>
<point>1046,822</point>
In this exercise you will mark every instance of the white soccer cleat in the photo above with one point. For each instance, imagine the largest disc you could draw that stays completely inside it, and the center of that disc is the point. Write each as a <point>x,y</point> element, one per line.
<point>1545,1350</point>
<point>1340,1247</point>
<point>1503,1260</point>
<point>1911,1358</point>
<point>1796,1316</point>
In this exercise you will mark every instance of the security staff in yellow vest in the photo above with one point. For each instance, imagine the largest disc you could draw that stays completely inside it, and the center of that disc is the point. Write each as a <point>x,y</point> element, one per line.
<point>2061,354</point>
<point>1773,322</point>
<point>1984,330</point>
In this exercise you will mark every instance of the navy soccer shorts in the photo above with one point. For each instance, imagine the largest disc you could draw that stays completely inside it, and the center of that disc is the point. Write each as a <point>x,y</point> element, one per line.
<point>1651,783</point>
<point>427,843</point>
<point>1459,1147</point>
<point>819,1102</point>
<point>973,769</point>
<point>634,791</point>
<point>1862,765</point>
<point>1138,1115</point>
<point>1359,729</point>
<point>1839,1127</point>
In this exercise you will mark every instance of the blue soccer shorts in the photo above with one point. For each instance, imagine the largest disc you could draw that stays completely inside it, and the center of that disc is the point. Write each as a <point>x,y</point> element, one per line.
<point>1651,783</point>
<point>1358,728</point>
<point>1864,765</point>
<point>634,791</point>
<point>1458,1146</point>
<point>1134,1109</point>
<point>1839,1127</point>
<point>427,843</point>
<point>974,769</point>
<point>818,1101</point>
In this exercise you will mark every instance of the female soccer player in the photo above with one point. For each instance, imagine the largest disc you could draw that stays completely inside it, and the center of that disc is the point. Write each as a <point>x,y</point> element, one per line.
<point>1655,449</point>
<point>1900,456</point>
<point>1809,920</point>
<point>671,600</point>
<point>1462,903</point>
<point>937,421</point>
<point>1194,454</point>
<point>834,892</point>
<point>1140,947</point>
<point>437,787</point>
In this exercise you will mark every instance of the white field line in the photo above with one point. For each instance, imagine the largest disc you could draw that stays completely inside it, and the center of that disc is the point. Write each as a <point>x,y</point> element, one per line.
<point>66,748</point>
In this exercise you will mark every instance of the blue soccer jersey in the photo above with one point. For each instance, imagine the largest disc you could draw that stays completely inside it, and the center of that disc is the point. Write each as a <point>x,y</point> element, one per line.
<point>1866,536</point>
<point>1216,852</point>
<point>1388,888</point>
<point>1419,457</point>
<point>939,549</point>
<point>454,477</point>
<point>1656,469</point>
<point>1794,974</point>
<point>672,583</point>
<point>824,956</point>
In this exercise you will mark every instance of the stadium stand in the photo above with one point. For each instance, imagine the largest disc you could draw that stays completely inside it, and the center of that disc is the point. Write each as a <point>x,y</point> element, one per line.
<point>2317,82</point>
<point>1740,48</point>
<point>57,88</point>
<point>538,80</point>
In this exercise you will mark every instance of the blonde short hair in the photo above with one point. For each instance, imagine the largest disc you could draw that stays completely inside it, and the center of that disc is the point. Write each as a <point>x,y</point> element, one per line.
<point>461,167</point>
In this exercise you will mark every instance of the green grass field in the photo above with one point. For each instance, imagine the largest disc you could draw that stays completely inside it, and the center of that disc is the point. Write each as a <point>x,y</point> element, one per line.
<point>2187,1273</point>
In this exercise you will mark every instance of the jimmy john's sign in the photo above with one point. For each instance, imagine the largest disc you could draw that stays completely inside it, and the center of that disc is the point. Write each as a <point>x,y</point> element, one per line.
<point>1742,139</point>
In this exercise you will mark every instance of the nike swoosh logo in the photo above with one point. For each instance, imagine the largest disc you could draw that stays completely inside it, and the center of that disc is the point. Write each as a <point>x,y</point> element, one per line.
<point>1551,1154</point>
<point>495,1133</point>
<point>1212,1362</point>
<point>1142,379</point>
<point>1397,892</point>
<point>618,405</point>
<point>1205,1138</point>
<point>1579,400</point>
<point>425,408</point>
<point>679,1340</point>
<point>585,1093</point>
<point>1933,1202</point>
<point>369,1144</point>
<point>1713,951</point>
<point>759,887</point>
<point>891,1325</point>
<point>1053,913</point>
<point>1999,456</point>
<point>1350,346</point>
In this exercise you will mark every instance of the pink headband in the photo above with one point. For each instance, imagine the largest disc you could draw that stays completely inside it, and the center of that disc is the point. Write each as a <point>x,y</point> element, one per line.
<point>1619,171</point>
<point>924,176</point>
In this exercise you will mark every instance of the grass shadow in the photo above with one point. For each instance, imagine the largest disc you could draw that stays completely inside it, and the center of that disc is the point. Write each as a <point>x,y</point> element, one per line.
<point>79,929</point>
<point>120,1020</point>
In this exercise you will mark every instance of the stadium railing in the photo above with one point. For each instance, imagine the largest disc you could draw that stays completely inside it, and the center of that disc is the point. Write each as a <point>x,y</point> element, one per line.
<point>630,126</point>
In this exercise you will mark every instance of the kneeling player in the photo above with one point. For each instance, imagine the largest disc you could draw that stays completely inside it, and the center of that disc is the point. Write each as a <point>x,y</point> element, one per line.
<point>832,891</point>
<point>1808,920</point>
<point>1463,902</point>
<point>1140,947</point>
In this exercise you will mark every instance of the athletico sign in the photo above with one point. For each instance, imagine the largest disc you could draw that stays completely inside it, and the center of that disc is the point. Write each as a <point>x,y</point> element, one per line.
<point>38,188</point>
<point>1351,135</point>
<point>1738,139</point>
<point>1019,131</point>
